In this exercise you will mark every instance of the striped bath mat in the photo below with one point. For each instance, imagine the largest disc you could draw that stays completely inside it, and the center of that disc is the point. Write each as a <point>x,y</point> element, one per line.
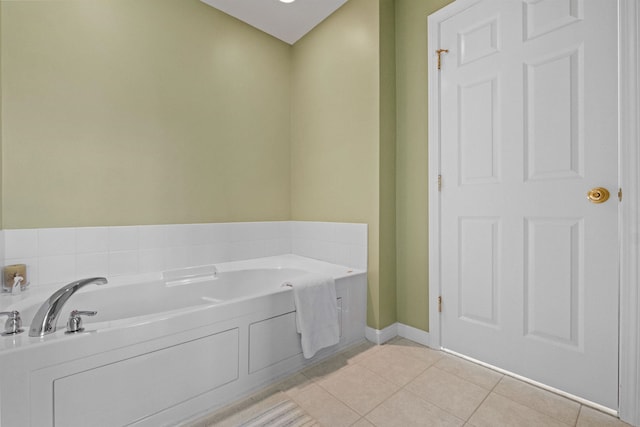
<point>283,414</point>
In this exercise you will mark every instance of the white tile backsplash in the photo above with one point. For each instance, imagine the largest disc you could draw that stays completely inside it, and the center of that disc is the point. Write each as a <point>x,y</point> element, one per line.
<point>56,241</point>
<point>92,240</point>
<point>305,230</point>
<point>200,255</point>
<point>220,252</point>
<point>337,253</point>
<point>59,255</point>
<point>152,237</point>
<point>350,234</point>
<point>284,245</point>
<point>219,232</point>
<point>240,232</point>
<point>199,235</point>
<point>246,248</point>
<point>178,235</point>
<point>123,263</point>
<point>338,243</point>
<point>357,256</point>
<point>57,269</point>
<point>21,243</point>
<point>151,260</point>
<point>2,257</point>
<point>176,257</point>
<point>92,265</point>
<point>123,239</point>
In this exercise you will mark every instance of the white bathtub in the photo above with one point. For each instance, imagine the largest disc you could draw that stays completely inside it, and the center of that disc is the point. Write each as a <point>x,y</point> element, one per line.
<point>162,351</point>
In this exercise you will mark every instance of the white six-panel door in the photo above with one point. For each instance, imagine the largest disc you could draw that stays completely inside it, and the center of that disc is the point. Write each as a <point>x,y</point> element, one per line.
<point>528,125</point>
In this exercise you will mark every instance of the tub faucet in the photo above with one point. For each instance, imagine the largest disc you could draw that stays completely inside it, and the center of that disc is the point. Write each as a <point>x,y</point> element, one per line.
<point>44,322</point>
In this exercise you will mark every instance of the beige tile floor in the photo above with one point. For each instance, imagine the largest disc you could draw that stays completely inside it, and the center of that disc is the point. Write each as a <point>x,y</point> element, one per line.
<point>405,384</point>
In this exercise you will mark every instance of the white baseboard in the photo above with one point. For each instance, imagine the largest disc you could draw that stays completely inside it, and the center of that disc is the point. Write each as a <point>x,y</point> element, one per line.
<point>381,336</point>
<point>413,334</point>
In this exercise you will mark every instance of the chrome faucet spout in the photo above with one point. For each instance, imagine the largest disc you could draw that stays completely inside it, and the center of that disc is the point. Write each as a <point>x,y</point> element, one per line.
<point>44,322</point>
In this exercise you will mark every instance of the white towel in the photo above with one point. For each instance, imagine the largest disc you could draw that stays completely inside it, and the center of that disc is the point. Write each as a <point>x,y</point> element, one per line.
<point>316,312</point>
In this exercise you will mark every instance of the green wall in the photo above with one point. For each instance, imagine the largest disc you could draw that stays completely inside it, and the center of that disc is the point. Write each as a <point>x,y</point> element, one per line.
<point>387,205</point>
<point>122,112</point>
<point>119,112</point>
<point>343,135</point>
<point>411,163</point>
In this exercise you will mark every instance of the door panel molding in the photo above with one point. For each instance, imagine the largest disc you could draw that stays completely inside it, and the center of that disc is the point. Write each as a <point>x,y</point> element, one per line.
<point>629,152</point>
<point>540,141</point>
<point>535,7</point>
<point>561,285</point>
<point>479,146</point>
<point>478,283</point>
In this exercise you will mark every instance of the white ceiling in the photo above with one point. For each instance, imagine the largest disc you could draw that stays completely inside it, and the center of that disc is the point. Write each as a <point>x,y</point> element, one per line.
<point>286,21</point>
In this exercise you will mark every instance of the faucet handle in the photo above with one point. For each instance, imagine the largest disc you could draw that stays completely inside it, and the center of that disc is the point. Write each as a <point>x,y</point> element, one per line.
<point>74,324</point>
<point>13,325</point>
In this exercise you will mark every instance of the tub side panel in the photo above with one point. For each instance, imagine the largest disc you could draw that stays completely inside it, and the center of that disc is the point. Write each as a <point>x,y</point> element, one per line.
<point>144,385</point>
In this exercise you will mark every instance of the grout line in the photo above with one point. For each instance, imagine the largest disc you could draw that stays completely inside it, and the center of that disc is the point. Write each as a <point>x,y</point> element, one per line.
<point>436,405</point>
<point>446,410</point>
<point>317,383</point>
<point>374,373</point>
<point>431,365</point>
<point>402,387</point>
<point>573,424</point>
<point>538,411</point>
<point>473,364</point>
<point>381,403</point>
<point>578,417</point>
<point>485,398</point>
<point>503,376</point>
<point>349,406</point>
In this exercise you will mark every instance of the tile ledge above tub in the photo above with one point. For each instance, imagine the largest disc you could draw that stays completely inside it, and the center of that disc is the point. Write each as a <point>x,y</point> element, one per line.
<point>55,256</point>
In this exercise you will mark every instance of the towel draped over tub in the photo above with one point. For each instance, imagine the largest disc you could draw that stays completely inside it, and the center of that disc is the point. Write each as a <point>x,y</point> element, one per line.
<point>316,312</point>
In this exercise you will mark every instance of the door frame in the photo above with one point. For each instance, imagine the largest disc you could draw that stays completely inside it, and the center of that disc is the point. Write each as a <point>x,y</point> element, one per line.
<point>629,209</point>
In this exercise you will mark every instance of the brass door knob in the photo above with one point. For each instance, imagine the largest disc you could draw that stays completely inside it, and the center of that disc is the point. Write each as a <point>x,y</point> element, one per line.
<point>598,195</point>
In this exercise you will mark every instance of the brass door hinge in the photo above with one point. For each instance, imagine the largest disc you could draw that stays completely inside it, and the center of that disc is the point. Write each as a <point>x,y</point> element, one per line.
<point>439,182</point>
<point>439,304</point>
<point>620,194</point>
<point>439,52</point>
